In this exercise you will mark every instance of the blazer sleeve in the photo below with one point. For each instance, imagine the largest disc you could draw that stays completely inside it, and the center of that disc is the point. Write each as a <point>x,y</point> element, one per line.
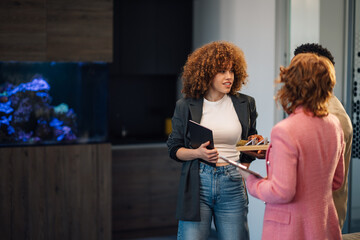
<point>176,138</point>
<point>280,186</point>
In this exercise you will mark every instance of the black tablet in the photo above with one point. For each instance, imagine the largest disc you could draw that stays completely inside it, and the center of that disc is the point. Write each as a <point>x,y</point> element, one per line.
<point>200,134</point>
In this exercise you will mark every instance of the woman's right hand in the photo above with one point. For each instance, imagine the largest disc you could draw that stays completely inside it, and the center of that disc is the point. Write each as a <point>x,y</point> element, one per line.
<point>209,155</point>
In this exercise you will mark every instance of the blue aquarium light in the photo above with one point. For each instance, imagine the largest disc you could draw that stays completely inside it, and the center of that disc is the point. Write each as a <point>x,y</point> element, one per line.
<point>26,115</point>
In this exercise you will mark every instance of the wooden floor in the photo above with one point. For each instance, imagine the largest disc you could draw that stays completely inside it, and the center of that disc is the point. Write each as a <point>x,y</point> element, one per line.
<point>172,236</point>
<point>350,236</point>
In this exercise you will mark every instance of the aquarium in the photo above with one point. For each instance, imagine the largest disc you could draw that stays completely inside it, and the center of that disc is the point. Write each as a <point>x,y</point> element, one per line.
<point>53,103</point>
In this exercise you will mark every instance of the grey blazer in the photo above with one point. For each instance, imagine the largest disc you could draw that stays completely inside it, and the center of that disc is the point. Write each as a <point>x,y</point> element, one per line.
<point>188,203</point>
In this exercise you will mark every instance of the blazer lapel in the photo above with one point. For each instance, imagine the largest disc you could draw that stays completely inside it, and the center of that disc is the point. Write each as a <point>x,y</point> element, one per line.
<point>241,109</point>
<point>195,107</point>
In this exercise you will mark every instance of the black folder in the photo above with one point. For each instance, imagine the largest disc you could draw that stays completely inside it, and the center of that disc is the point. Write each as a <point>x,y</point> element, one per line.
<point>200,134</point>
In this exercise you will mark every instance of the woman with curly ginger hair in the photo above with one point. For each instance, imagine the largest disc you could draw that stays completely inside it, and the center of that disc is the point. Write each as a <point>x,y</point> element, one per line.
<point>305,158</point>
<point>209,187</point>
<point>206,62</point>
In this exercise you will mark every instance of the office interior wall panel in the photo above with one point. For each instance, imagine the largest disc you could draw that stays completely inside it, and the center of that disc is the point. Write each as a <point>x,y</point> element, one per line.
<point>55,30</point>
<point>79,30</point>
<point>22,30</point>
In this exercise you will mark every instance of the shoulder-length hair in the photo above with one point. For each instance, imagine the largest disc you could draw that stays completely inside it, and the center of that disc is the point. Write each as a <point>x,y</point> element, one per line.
<point>205,62</point>
<point>308,82</point>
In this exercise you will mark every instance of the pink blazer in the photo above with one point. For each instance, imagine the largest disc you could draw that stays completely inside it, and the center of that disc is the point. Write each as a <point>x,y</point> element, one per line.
<point>304,164</point>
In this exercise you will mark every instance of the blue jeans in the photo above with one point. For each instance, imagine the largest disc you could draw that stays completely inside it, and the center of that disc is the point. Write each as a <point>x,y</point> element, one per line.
<point>224,198</point>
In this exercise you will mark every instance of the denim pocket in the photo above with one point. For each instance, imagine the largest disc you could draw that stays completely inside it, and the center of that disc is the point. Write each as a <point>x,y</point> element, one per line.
<point>234,174</point>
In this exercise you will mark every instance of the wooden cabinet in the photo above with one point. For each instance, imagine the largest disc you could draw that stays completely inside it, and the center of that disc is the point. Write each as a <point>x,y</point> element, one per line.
<point>145,186</point>
<point>56,192</point>
<point>56,30</point>
<point>22,30</point>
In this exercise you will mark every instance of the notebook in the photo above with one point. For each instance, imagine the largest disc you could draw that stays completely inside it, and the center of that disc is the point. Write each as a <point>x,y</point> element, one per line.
<point>200,134</point>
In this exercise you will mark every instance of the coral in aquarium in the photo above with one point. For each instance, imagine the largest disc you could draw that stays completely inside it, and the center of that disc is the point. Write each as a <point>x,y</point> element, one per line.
<point>26,115</point>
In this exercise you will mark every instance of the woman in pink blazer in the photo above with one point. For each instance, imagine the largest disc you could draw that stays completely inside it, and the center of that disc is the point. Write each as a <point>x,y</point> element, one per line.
<point>305,158</point>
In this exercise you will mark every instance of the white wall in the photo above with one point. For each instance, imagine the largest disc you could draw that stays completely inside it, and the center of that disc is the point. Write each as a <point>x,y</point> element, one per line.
<point>251,26</point>
<point>321,21</point>
<point>304,23</point>
<point>332,36</point>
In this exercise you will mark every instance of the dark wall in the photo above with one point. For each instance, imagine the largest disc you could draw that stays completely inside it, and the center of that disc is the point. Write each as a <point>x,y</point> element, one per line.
<point>152,39</point>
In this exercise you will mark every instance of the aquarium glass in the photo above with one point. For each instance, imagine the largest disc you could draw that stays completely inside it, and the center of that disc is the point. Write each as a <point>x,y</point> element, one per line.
<point>53,103</point>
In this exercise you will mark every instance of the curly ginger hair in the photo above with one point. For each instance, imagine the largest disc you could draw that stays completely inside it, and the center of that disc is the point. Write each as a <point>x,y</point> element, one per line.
<point>205,62</point>
<point>308,82</point>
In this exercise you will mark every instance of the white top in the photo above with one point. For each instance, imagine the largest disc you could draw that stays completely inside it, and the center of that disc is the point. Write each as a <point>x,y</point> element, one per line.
<point>221,118</point>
